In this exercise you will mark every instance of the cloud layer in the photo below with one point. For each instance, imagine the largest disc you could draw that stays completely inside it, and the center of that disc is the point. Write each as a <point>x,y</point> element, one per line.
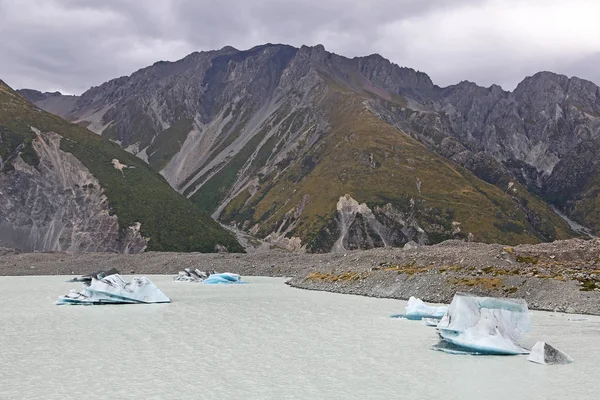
<point>70,45</point>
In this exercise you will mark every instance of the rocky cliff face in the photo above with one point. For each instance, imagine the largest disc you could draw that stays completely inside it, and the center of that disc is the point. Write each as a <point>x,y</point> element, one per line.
<point>63,188</point>
<point>58,205</point>
<point>270,138</point>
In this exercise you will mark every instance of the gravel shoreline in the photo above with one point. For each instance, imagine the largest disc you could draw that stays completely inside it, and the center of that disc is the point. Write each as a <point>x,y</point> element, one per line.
<point>562,276</point>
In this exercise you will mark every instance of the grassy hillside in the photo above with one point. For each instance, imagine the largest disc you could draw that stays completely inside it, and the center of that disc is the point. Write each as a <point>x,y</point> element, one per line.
<point>171,221</point>
<point>377,164</point>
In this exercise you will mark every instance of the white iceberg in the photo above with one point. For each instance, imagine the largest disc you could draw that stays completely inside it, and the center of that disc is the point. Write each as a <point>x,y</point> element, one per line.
<point>113,289</point>
<point>543,353</point>
<point>485,325</point>
<point>416,309</point>
<point>187,275</point>
<point>224,278</point>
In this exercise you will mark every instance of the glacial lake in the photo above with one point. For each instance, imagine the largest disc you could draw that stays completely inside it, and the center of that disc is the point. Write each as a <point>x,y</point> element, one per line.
<point>263,340</point>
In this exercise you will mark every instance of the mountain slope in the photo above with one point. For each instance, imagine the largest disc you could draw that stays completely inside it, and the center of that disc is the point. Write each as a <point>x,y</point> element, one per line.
<point>61,190</point>
<point>274,138</point>
<point>409,193</point>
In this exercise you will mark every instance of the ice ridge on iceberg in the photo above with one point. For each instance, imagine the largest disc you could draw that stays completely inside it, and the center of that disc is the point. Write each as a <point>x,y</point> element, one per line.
<point>188,275</point>
<point>87,279</point>
<point>224,278</point>
<point>113,289</point>
<point>485,325</point>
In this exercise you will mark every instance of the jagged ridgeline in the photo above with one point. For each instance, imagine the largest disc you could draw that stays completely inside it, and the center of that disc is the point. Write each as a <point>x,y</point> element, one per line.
<point>312,150</point>
<point>63,187</point>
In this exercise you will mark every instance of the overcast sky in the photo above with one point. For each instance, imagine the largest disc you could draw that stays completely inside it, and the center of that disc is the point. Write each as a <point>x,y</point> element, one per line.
<point>70,45</point>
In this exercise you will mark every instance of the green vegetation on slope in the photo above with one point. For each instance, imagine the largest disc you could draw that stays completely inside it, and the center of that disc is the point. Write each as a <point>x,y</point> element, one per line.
<point>215,189</point>
<point>342,165</point>
<point>168,143</point>
<point>171,221</point>
<point>586,205</point>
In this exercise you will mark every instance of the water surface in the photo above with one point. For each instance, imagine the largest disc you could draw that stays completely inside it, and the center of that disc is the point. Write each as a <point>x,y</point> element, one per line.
<point>263,341</point>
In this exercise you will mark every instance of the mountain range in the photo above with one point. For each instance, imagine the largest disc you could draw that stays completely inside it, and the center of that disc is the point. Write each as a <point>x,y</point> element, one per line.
<point>64,188</point>
<point>314,151</point>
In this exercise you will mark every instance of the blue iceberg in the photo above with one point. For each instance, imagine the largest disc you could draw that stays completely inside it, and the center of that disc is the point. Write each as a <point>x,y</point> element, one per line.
<point>484,325</point>
<point>113,289</point>
<point>224,278</point>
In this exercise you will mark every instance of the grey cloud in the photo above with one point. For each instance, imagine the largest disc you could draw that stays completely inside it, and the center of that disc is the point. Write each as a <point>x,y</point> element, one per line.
<point>70,45</point>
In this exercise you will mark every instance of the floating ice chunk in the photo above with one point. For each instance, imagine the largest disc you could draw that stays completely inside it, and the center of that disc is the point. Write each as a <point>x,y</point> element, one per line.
<point>543,353</point>
<point>113,289</point>
<point>223,278</point>
<point>187,275</point>
<point>431,321</point>
<point>416,309</point>
<point>486,324</point>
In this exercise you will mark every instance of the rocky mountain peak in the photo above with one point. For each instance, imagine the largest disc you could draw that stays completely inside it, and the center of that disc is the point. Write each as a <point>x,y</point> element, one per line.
<point>240,132</point>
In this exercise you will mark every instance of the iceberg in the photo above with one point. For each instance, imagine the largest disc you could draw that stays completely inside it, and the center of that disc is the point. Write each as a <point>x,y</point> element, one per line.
<point>416,309</point>
<point>431,321</point>
<point>543,353</point>
<point>113,289</point>
<point>485,325</point>
<point>187,275</point>
<point>224,278</point>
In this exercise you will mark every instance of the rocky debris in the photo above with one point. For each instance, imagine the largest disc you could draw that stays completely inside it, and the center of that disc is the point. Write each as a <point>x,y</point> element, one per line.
<point>432,273</point>
<point>119,166</point>
<point>8,250</point>
<point>543,353</point>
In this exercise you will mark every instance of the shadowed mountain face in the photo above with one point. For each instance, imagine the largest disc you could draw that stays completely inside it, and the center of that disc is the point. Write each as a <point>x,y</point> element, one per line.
<point>63,188</point>
<point>315,151</point>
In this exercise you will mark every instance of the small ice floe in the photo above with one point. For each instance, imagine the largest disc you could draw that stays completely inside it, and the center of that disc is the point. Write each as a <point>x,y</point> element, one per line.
<point>416,310</point>
<point>484,325</point>
<point>187,275</point>
<point>543,353</point>
<point>224,278</point>
<point>431,321</point>
<point>113,289</point>
<point>87,279</point>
